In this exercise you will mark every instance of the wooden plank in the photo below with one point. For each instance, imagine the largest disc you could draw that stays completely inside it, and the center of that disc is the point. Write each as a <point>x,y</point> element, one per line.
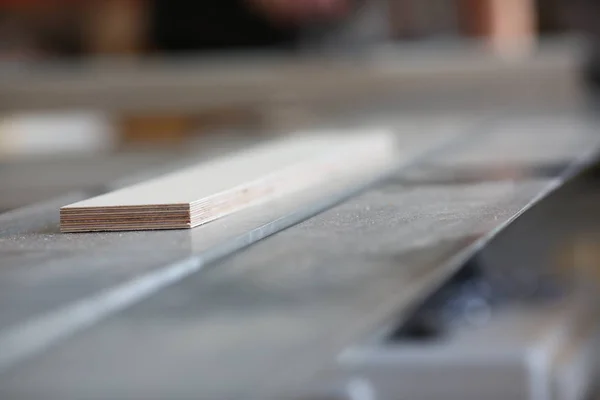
<point>208,191</point>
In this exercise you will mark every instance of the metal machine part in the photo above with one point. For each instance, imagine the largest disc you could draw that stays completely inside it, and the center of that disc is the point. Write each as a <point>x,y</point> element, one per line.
<point>299,299</point>
<point>510,324</point>
<point>536,352</point>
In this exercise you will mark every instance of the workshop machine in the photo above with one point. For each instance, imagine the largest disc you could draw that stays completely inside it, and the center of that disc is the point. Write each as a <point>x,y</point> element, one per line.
<point>466,270</point>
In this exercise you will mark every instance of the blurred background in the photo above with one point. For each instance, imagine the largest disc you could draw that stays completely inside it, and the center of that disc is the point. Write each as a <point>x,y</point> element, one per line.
<point>34,32</point>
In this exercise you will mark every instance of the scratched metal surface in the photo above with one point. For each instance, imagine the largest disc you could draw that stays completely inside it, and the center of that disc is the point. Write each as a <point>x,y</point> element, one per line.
<point>270,319</point>
<point>79,279</point>
<point>136,315</point>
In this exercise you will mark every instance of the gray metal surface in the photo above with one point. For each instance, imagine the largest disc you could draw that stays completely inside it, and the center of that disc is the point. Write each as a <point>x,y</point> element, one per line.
<point>157,315</point>
<point>79,279</point>
<point>531,331</point>
<point>542,351</point>
<point>269,320</point>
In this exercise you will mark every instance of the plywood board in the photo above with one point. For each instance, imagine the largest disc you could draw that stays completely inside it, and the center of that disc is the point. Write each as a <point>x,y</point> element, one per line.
<point>210,190</point>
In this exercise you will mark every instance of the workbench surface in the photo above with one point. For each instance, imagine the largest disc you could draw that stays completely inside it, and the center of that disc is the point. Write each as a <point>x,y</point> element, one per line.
<point>199,314</point>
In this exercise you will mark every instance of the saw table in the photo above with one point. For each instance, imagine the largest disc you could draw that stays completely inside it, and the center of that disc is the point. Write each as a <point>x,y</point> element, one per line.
<point>438,278</point>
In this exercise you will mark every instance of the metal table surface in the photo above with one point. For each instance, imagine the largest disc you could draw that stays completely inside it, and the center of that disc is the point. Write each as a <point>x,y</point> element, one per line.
<point>192,314</point>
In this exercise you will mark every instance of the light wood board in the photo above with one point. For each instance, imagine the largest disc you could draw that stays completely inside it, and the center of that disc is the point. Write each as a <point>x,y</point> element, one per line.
<point>210,190</point>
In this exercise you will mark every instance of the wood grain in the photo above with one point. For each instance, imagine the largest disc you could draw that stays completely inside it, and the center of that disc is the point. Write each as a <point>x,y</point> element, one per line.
<point>210,190</point>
